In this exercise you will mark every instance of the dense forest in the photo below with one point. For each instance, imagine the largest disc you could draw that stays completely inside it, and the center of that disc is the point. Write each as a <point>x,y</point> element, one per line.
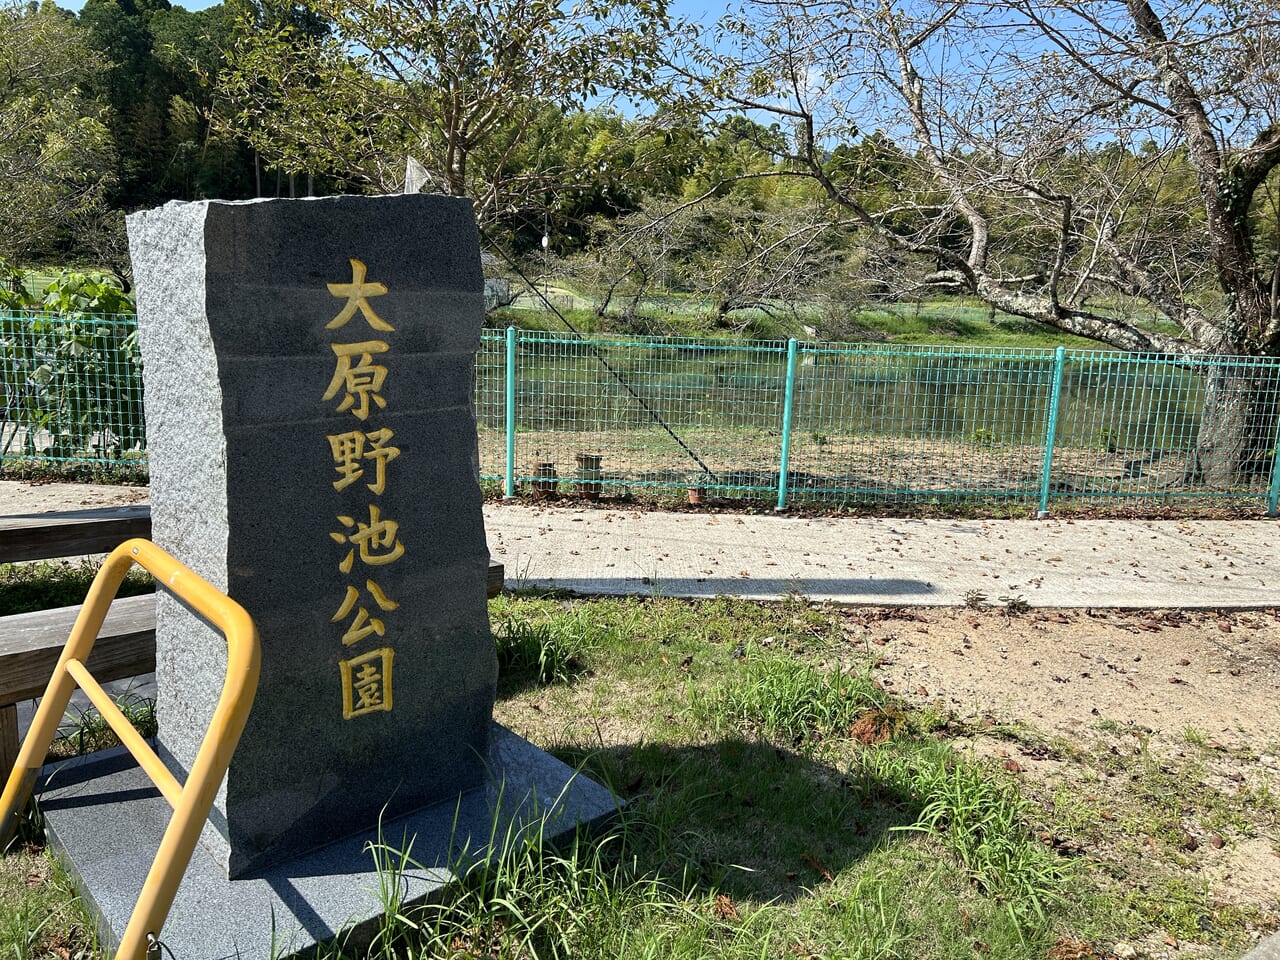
<point>1105,170</point>
<point>1109,170</point>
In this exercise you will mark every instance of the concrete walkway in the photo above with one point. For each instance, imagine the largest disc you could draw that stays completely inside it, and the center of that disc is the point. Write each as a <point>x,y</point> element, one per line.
<point>1049,563</point>
<point>602,550</point>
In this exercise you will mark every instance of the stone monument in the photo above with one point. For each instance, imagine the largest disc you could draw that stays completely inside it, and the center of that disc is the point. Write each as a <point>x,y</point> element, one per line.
<point>308,371</point>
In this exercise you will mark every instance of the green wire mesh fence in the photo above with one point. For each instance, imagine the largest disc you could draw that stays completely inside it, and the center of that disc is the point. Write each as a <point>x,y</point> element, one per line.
<point>774,422</point>
<point>72,388</point>
<point>873,423</point>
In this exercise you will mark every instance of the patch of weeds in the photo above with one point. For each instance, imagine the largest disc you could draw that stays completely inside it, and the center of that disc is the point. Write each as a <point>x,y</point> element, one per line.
<point>25,587</point>
<point>40,914</point>
<point>1195,737</point>
<point>787,699</point>
<point>86,731</point>
<point>545,651</point>
<point>71,471</point>
<point>1015,606</point>
<point>981,818</point>
<point>579,900</point>
<point>1182,907</point>
<point>975,599</point>
<point>984,438</point>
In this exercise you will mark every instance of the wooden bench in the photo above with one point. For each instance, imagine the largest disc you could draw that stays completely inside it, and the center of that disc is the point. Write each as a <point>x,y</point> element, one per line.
<point>30,643</point>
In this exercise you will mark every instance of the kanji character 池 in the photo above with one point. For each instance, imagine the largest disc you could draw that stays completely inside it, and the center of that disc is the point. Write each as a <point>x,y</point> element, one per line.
<point>376,540</point>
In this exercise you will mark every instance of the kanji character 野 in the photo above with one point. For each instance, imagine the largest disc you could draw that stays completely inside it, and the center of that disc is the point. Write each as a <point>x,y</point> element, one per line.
<point>349,449</point>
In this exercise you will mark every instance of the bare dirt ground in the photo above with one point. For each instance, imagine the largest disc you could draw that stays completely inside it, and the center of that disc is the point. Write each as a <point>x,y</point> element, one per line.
<point>1216,674</point>
<point>37,496</point>
<point>1164,705</point>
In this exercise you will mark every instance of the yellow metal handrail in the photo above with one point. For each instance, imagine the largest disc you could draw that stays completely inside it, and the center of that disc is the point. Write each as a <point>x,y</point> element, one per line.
<point>191,803</point>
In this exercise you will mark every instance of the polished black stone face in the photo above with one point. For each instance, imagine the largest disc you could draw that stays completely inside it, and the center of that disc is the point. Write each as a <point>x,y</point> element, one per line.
<point>308,374</point>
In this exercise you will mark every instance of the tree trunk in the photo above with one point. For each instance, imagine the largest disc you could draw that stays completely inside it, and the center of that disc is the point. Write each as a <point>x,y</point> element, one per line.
<point>1237,433</point>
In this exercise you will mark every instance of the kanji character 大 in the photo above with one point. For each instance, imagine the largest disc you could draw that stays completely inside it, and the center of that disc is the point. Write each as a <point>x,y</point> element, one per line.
<point>357,293</point>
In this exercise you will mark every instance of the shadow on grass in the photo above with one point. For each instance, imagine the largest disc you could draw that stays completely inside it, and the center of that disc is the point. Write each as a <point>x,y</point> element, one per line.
<point>745,817</point>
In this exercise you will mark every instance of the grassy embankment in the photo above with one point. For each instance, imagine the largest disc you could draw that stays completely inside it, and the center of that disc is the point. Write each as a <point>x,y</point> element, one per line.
<point>782,803</point>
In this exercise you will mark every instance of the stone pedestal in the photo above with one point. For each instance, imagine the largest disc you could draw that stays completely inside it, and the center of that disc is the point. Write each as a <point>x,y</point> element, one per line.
<point>105,821</point>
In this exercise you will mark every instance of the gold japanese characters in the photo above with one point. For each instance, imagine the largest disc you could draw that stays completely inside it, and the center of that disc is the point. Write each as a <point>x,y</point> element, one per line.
<point>362,454</point>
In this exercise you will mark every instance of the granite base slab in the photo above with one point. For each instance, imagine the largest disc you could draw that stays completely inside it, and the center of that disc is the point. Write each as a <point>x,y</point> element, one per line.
<point>105,821</point>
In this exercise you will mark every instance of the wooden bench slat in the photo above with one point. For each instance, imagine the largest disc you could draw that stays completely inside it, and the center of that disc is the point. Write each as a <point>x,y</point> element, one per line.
<point>72,533</point>
<point>31,644</point>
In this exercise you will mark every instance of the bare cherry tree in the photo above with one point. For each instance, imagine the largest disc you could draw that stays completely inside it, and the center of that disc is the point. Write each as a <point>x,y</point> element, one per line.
<point>1045,157</point>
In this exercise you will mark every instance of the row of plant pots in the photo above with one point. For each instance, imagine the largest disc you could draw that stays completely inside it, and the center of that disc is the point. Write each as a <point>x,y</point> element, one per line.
<point>589,478</point>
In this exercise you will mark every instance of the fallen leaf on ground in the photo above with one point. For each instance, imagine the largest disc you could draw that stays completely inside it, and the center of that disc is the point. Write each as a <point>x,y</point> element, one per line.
<point>817,867</point>
<point>723,908</point>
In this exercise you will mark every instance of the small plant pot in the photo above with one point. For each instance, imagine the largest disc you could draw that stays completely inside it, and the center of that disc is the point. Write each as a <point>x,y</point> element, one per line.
<point>697,496</point>
<point>545,480</point>
<point>590,475</point>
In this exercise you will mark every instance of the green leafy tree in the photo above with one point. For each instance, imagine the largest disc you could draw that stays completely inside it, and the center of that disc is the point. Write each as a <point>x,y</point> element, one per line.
<point>463,88</point>
<point>157,86</point>
<point>54,146</point>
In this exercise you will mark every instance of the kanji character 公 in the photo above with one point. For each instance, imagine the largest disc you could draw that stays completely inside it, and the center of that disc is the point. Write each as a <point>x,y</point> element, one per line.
<point>363,625</point>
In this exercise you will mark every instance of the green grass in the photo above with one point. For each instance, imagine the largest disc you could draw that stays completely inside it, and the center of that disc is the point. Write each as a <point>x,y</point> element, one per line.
<point>791,700</point>
<point>780,803</point>
<point>58,583</point>
<point>40,916</point>
<point>84,731</point>
<point>953,322</point>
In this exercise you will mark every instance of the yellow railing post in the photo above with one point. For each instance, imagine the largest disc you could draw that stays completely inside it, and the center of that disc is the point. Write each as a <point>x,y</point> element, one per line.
<point>191,803</point>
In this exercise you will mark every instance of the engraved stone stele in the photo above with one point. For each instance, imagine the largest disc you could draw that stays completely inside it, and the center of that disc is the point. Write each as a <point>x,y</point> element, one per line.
<point>308,373</point>
<point>237,364</point>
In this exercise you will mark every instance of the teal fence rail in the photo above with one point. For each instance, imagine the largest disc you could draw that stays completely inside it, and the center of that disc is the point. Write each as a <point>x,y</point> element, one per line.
<point>774,422</point>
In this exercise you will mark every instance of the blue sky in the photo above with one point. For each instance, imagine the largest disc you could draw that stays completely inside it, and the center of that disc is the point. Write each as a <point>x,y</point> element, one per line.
<point>705,10</point>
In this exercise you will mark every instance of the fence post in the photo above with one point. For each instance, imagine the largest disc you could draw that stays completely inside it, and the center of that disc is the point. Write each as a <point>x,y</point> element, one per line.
<point>509,486</point>
<point>788,399</point>
<point>1051,431</point>
<point>1273,494</point>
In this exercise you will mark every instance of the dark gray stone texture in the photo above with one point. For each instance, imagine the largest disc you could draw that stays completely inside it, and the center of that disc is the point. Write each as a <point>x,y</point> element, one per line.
<point>105,820</point>
<point>233,303</point>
